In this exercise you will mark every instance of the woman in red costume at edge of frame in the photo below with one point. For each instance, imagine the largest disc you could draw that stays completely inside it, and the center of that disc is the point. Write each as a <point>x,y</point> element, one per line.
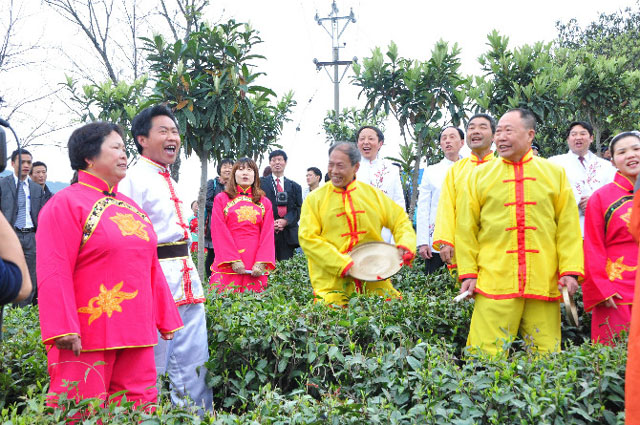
<point>243,239</point>
<point>103,296</point>
<point>611,254</point>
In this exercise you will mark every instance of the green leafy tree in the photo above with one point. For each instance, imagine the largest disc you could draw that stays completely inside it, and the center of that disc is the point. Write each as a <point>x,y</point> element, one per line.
<point>611,35</point>
<point>526,77</point>
<point>114,102</point>
<point>605,56</point>
<point>348,123</point>
<point>608,94</point>
<point>209,80</point>
<point>112,31</point>
<point>422,96</point>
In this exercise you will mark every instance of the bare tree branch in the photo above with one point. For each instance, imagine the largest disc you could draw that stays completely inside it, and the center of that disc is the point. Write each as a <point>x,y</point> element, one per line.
<point>98,38</point>
<point>165,14</point>
<point>27,101</point>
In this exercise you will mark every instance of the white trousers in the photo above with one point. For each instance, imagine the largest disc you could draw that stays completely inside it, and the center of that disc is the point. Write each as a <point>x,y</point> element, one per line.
<point>184,357</point>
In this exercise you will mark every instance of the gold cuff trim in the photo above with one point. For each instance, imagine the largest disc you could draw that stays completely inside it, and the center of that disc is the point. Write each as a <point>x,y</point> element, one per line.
<point>59,336</point>
<point>175,330</point>
<point>118,348</point>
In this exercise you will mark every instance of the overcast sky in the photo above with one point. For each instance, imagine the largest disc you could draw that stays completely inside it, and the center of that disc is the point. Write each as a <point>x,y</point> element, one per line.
<point>292,39</point>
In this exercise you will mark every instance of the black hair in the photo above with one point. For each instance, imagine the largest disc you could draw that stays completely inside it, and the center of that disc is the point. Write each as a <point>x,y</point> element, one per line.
<point>315,171</point>
<point>460,132</point>
<point>620,137</point>
<point>492,121</point>
<point>582,124</point>
<point>527,117</point>
<point>14,154</point>
<point>141,123</point>
<point>86,142</point>
<point>376,129</point>
<point>278,152</point>
<point>38,164</point>
<point>222,162</point>
<point>231,186</point>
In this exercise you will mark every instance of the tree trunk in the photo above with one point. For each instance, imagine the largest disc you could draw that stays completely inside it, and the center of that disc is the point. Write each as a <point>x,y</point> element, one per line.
<point>201,217</point>
<point>415,176</point>
<point>597,132</point>
<point>175,168</point>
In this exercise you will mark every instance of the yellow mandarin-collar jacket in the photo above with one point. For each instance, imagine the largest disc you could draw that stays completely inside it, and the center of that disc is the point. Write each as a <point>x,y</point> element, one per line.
<point>333,221</point>
<point>453,185</point>
<point>517,229</point>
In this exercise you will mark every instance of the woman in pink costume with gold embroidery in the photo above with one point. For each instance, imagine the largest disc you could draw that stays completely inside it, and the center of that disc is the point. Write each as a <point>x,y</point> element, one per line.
<point>103,296</point>
<point>611,255</point>
<point>243,236</point>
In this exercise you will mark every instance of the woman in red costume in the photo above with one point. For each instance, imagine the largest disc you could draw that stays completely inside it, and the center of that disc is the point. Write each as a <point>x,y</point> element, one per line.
<point>243,236</point>
<point>103,296</point>
<point>611,254</point>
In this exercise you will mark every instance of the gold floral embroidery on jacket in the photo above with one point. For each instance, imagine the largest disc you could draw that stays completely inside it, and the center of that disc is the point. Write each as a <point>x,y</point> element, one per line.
<point>107,302</point>
<point>626,217</point>
<point>129,226</point>
<point>615,269</point>
<point>241,198</point>
<point>247,213</point>
<point>98,209</point>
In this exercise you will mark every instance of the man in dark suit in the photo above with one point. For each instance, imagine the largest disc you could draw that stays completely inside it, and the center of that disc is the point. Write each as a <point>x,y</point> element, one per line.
<point>286,197</point>
<point>38,174</point>
<point>214,187</point>
<point>21,203</point>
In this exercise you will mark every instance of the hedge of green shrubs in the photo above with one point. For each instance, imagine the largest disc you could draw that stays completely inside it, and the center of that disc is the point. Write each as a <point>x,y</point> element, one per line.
<point>278,358</point>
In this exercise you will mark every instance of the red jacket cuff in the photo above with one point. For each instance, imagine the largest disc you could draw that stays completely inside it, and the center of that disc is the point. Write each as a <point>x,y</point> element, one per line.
<point>346,269</point>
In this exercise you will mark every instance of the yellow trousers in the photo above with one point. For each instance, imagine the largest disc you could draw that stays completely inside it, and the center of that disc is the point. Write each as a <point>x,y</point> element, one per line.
<point>496,321</point>
<point>339,294</point>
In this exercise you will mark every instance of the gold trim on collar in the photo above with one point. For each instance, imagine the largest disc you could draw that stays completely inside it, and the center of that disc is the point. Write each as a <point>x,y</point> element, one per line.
<point>239,199</point>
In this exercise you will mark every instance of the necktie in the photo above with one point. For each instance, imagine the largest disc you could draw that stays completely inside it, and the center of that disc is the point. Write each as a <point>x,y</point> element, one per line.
<point>282,209</point>
<point>21,219</point>
<point>581,158</point>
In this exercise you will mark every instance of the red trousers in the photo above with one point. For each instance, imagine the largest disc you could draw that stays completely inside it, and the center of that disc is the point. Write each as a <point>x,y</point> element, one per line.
<point>609,322</point>
<point>130,369</point>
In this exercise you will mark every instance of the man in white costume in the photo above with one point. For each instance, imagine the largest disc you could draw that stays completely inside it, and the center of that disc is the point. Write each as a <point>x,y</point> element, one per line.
<point>451,141</point>
<point>379,173</point>
<point>586,171</point>
<point>149,184</point>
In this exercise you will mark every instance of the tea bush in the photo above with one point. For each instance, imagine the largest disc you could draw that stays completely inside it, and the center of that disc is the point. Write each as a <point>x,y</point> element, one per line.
<point>278,358</point>
<point>23,361</point>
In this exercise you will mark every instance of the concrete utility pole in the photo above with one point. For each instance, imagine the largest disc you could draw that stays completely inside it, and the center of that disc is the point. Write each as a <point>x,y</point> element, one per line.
<point>335,34</point>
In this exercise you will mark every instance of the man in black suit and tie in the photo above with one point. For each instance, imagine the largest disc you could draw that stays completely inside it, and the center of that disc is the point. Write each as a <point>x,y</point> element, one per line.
<point>20,201</point>
<point>286,197</point>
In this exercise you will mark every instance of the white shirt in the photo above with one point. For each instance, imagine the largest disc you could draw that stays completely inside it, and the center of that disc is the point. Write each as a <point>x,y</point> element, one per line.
<point>275,182</point>
<point>27,197</point>
<point>429,194</point>
<point>306,191</point>
<point>157,195</point>
<point>586,179</point>
<point>383,175</point>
